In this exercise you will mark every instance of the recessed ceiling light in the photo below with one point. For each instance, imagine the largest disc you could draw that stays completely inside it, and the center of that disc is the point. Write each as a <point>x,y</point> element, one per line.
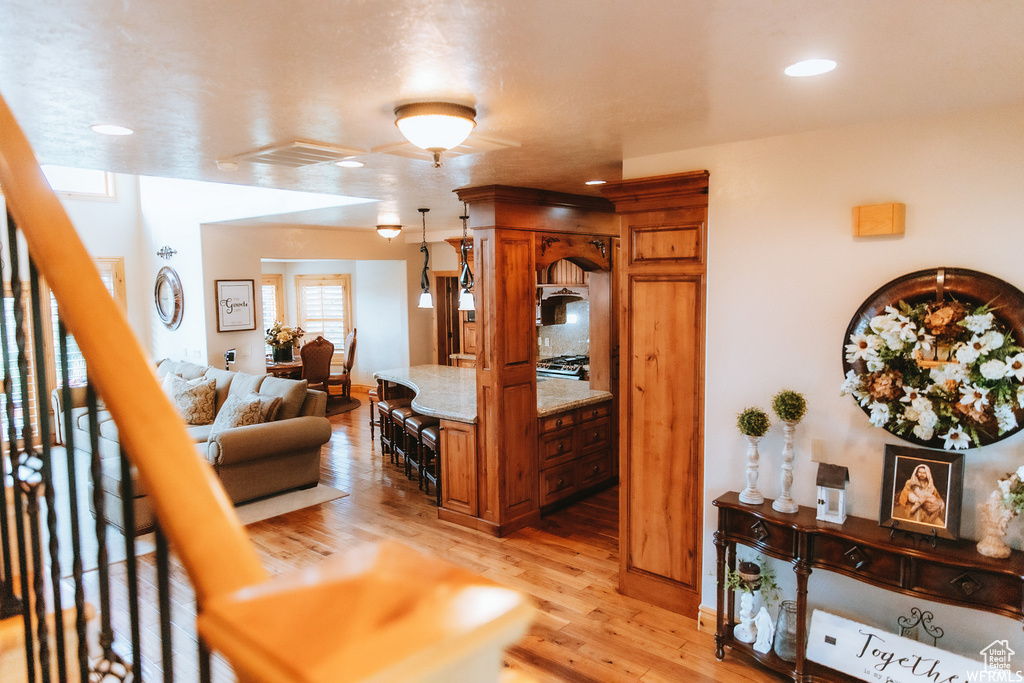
<point>810,67</point>
<point>349,163</point>
<point>111,129</point>
<point>596,182</point>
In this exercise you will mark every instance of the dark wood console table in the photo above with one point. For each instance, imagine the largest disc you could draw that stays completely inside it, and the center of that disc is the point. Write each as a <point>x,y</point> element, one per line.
<point>953,572</point>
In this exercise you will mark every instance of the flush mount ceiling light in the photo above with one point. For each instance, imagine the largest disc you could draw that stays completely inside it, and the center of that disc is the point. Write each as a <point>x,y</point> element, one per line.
<point>435,126</point>
<point>349,163</point>
<point>810,67</point>
<point>595,182</point>
<point>110,129</point>
<point>389,231</point>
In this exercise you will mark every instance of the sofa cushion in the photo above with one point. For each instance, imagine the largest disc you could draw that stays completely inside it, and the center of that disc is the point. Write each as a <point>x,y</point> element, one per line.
<point>244,384</point>
<point>196,400</point>
<point>190,370</point>
<point>291,391</point>
<point>165,367</point>
<point>238,412</point>
<point>223,378</point>
<point>199,432</point>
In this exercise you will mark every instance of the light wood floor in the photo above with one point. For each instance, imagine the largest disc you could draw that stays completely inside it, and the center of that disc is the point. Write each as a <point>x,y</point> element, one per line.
<point>586,631</point>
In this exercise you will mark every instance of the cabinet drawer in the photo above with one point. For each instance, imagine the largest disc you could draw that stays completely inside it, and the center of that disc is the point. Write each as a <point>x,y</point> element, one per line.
<point>553,423</point>
<point>595,434</point>
<point>861,561</point>
<point>557,483</point>
<point>967,584</point>
<point>751,530</point>
<point>556,449</point>
<point>594,468</point>
<point>595,412</point>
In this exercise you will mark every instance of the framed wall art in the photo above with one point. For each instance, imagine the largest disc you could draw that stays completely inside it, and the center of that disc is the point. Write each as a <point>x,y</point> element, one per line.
<point>922,491</point>
<point>236,309</point>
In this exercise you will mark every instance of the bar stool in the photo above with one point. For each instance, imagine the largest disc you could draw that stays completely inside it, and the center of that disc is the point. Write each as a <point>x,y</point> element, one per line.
<point>399,439</point>
<point>373,396</point>
<point>430,467</point>
<point>414,426</point>
<point>384,409</point>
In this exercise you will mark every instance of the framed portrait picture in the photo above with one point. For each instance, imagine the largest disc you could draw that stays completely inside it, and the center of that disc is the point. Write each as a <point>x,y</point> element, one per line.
<point>236,309</point>
<point>922,491</point>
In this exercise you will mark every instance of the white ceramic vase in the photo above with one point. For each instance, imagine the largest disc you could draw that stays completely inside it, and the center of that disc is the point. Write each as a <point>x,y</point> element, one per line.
<point>785,502</point>
<point>995,517</point>
<point>750,494</point>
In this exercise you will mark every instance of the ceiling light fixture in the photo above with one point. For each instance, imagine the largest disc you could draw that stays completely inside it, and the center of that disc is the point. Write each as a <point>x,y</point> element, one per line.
<point>435,126</point>
<point>349,163</point>
<point>389,231</point>
<point>595,182</point>
<point>810,67</point>
<point>227,165</point>
<point>111,129</point>
<point>426,301</point>
<point>466,301</point>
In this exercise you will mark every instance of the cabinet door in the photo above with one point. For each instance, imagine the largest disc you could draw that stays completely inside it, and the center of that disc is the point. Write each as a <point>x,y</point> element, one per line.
<point>458,467</point>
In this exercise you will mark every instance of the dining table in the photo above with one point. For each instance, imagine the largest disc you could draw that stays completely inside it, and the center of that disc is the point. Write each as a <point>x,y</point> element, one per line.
<point>288,368</point>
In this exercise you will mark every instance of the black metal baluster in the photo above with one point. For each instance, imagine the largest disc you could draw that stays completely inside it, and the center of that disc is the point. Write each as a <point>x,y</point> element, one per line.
<point>76,546</point>
<point>15,459</point>
<point>10,604</point>
<point>110,663</point>
<point>204,661</point>
<point>163,585</point>
<point>131,562</point>
<point>32,482</point>
<point>47,472</point>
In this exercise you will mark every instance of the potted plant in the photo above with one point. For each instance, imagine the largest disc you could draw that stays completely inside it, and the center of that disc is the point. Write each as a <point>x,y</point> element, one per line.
<point>747,578</point>
<point>790,407</point>
<point>753,423</point>
<point>282,339</point>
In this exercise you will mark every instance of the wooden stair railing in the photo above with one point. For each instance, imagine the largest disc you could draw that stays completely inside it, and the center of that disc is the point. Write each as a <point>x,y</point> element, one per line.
<point>385,613</point>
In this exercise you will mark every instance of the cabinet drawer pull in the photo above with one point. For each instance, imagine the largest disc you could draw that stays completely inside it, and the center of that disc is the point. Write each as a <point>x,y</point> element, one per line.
<point>594,414</point>
<point>597,468</point>
<point>760,530</point>
<point>856,557</point>
<point>966,583</point>
<point>558,422</point>
<point>597,436</point>
<point>561,447</point>
<point>560,484</point>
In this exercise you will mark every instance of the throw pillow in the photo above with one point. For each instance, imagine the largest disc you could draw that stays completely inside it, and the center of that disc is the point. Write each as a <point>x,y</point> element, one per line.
<point>195,400</point>
<point>238,412</point>
<point>291,391</point>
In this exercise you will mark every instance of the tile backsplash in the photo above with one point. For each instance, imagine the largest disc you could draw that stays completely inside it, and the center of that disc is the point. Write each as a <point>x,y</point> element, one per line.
<point>570,338</point>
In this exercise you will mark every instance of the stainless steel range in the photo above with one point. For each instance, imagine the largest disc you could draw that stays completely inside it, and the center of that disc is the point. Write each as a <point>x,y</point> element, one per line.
<point>565,367</point>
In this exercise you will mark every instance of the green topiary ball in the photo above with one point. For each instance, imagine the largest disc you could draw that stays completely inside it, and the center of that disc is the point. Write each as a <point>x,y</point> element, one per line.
<point>753,422</point>
<point>789,406</point>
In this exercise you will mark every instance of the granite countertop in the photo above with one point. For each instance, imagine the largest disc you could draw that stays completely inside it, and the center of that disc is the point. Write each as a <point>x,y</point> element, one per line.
<point>449,393</point>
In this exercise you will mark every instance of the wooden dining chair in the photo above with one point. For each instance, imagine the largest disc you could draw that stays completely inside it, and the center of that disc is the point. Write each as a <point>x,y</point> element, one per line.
<point>345,377</point>
<point>316,362</point>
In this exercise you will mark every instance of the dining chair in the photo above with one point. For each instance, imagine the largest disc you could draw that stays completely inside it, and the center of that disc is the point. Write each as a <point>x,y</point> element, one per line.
<point>316,362</point>
<point>345,377</point>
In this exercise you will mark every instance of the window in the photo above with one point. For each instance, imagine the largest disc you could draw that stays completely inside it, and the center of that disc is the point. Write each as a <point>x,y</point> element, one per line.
<point>112,274</point>
<point>325,307</point>
<point>81,183</point>
<point>273,302</point>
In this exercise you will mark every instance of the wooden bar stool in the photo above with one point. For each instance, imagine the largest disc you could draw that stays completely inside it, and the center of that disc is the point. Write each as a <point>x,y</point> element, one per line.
<point>373,395</point>
<point>384,408</point>
<point>430,457</point>
<point>414,426</point>
<point>399,439</point>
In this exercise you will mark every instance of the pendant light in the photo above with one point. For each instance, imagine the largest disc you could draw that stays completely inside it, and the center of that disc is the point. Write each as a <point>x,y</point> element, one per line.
<point>426,300</point>
<point>466,301</point>
<point>435,126</point>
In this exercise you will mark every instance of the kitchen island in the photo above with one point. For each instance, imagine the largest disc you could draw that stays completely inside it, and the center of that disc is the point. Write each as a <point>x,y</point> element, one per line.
<point>572,438</point>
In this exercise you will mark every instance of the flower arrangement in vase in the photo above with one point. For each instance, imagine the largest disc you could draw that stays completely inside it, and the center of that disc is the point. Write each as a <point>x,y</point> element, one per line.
<point>790,407</point>
<point>753,423</point>
<point>282,339</point>
<point>1005,503</point>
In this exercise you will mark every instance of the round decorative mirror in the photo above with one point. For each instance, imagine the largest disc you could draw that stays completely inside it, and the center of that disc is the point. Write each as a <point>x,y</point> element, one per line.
<point>167,297</point>
<point>936,357</point>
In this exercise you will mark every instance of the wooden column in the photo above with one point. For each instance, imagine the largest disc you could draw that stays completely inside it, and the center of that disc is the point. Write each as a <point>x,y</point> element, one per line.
<point>661,388</point>
<point>505,222</point>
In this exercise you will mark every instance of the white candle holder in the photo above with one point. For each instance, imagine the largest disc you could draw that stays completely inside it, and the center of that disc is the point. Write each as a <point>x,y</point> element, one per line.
<point>750,495</point>
<point>745,631</point>
<point>785,502</point>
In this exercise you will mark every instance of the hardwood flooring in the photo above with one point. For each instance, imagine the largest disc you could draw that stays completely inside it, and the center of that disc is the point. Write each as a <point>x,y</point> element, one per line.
<point>585,632</point>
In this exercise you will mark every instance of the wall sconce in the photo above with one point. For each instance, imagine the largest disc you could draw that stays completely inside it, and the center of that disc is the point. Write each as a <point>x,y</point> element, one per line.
<point>435,126</point>
<point>426,301</point>
<point>466,301</point>
<point>166,252</point>
<point>389,231</point>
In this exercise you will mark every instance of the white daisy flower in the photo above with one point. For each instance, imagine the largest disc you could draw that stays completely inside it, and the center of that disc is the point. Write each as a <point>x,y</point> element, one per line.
<point>969,352</point>
<point>1015,367</point>
<point>922,340</point>
<point>863,347</point>
<point>978,324</point>
<point>923,433</point>
<point>955,438</point>
<point>1005,417</point>
<point>993,369</point>
<point>879,414</point>
<point>975,396</point>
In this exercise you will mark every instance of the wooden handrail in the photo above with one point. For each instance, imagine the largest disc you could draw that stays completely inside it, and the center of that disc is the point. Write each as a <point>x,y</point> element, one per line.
<point>193,509</point>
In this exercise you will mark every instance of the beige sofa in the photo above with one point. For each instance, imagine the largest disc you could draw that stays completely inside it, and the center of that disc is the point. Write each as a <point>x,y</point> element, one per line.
<point>252,461</point>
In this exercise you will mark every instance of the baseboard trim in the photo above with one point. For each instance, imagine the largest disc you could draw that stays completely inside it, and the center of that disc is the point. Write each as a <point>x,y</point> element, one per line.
<point>707,619</point>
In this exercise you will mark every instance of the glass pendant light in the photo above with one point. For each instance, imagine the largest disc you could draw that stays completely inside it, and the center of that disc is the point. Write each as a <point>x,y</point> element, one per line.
<point>466,301</point>
<point>426,300</point>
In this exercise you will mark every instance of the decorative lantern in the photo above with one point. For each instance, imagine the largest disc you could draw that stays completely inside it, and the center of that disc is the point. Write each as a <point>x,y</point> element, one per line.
<point>832,480</point>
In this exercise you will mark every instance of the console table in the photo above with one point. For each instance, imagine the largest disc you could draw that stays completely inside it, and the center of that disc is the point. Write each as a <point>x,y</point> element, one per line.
<point>953,572</point>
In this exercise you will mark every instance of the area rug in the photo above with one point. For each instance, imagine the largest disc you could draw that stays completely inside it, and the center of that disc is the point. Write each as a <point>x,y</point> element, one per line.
<point>336,405</point>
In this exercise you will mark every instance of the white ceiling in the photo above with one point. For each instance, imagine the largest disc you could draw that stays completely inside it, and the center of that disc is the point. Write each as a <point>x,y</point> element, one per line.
<point>578,84</point>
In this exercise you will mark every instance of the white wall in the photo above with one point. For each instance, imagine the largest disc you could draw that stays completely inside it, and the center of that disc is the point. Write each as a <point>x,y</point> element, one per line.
<point>785,275</point>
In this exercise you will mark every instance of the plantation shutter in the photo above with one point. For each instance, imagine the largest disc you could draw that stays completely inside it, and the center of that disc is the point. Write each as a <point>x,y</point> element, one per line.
<point>324,307</point>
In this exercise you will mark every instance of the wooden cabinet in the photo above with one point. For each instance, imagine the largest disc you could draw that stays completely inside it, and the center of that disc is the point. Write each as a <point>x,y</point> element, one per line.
<point>468,335</point>
<point>952,572</point>
<point>459,473</point>
<point>574,454</point>
<point>661,386</point>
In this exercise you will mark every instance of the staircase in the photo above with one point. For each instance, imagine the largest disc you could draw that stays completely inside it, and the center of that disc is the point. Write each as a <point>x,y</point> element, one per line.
<point>381,613</point>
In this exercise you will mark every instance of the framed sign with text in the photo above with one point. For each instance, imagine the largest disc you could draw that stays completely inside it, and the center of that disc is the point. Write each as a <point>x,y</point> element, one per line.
<point>236,309</point>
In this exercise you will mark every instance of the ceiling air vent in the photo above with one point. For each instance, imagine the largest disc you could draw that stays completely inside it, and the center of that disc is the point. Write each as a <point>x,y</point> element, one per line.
<point>299,153</point>
<point>473,145</point>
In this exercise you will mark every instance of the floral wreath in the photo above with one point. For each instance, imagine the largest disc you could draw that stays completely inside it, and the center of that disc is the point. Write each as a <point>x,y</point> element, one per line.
<point>938,370</point>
